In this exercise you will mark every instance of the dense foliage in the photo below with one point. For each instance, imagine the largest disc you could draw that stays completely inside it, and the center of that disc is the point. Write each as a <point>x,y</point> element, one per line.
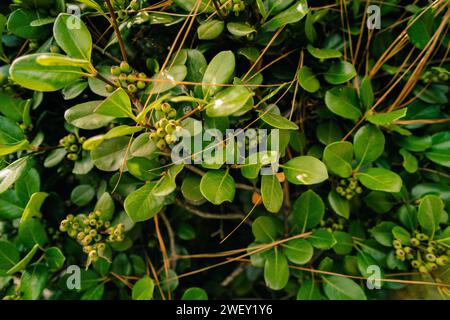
<point>94,97</point>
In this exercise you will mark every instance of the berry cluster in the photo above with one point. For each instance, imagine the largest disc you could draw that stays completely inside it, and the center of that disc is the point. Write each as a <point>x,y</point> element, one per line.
<point>72,144</point>
<point>333,225</point>
<point>124,76</point>
<point>165,127</point>
<point>92,232</point>
<point>235,6</point>
<point>122,7</point>
<point>436,74</point>
<point>348,188</point>
<point>424,254</point>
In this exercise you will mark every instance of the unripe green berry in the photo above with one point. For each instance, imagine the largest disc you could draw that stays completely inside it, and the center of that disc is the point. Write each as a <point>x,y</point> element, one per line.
<point>165,107</point>
<point>109,88</point>
<point>170,128</point>
<point>132,88</point>
<point>125,67</point>
<point>169,139</point>
<point>416,264</point>
<point>430,257</point>
<point>115,70</point>
<point>73,148</point>
<point>422,236</point>
<point>72,233</point>
<point>397,244</point>
<point>442,260</point>
<point>141,85</point>
<point>415,242</point>
<point>71,138</point>
<point>423,269</point>
<point>400,252</point>
<point>93,255</point>
<point>160,133</point>
<point>161,144</point>
<point>172,114</point>
<point>431,266</point>
<point>123,77</point>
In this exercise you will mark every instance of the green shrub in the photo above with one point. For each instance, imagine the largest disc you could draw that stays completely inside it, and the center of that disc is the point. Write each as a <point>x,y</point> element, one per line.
<point>120,177</point>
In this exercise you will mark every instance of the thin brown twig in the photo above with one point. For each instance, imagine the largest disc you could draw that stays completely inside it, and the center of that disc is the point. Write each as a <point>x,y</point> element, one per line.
<point>117,30</point>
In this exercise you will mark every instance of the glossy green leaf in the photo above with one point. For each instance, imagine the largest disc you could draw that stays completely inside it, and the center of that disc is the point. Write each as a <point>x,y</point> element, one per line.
<point>339,205</point>
<point>338,158</point>
<point>271,193</point>
<point>194,293</point>
<point>217,186</point>
<point>440,149</point>
<point>380,179</point>
<point>117,105</point>
<point>82,116</point>
<point>19,23</point>
<point>9,255</point>
<point>344,102</point>
<point>340,72</point>
<point>10,174</point>
<point>27,72</point>
<point>307,80</point>
<point>292,14</point>
<point>308,210</point>
<point>22,264</point>
<point>368,144</point>
<point>33,282</point>
<point>410,162</point>
<point>83,194</point>
<point>366,93</point>
<point>323,53</point>
<point>143,289</point>
<point>110,154</point>
<point>239,29</point>
<point>210,29</point>
<point>305,170</point>
<point>298,251</point>
<point>73,36</point>
<point>382,119</point>
<point>278,121</point>
<point>344,243</point>
<point>340,288</point>
<point>266,229</point>
<point>142,204</point>
<point>322,239</point>
<point>430,211</point>
<point>228,102</point>
<point>220,70</point>
<point>276,270</point>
